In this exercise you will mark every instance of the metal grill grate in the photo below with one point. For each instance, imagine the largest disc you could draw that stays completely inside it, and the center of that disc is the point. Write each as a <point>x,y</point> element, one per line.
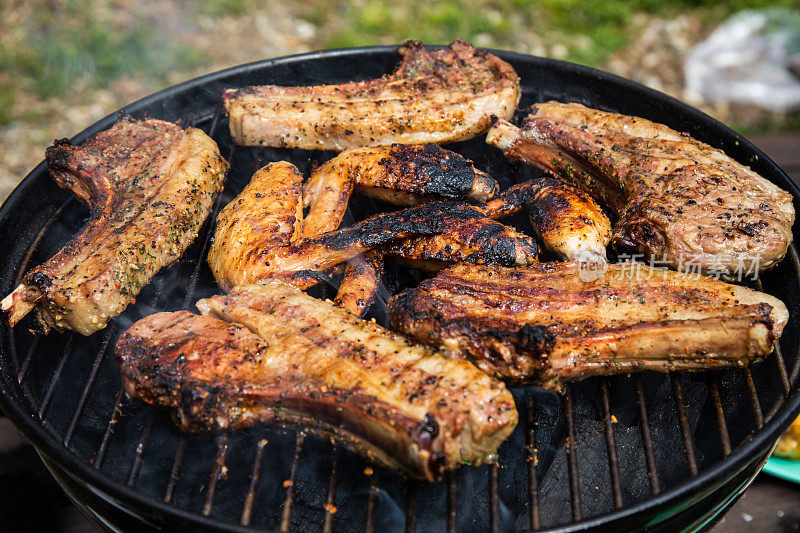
<point>610,444</point>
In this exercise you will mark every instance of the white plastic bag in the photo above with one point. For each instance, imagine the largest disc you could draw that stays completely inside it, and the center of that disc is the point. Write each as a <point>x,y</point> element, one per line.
<point>747,61</point>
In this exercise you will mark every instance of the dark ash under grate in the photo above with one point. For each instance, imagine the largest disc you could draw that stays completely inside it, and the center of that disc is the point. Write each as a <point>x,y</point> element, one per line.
<point>610,444</point>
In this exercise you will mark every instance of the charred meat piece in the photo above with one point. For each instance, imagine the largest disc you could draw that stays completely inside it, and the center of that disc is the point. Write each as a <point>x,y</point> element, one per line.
<point>362,276</point>
<point>677,198</point>
<point>476,239</point>
<point>403,174</point>
<point>270,353</point>
<point>399,174</point>
<point>150,185</point>
<point>545,324</point>
<point>566,219</point>
<point>570,223</point>
<point>441,95</point>
<point>267,215</point>
<point>253,238</point>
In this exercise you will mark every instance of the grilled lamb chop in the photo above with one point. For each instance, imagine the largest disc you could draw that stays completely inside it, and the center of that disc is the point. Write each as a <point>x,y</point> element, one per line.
<point>442,95</point>
<point>270,353</point>
<point>256,235</point>
<point>150,185</point>
<point>677,199</point>
<point>545,324</point>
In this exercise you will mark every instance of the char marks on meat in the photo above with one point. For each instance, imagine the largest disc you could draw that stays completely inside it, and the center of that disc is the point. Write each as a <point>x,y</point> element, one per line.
<point>256,233</point>
<point>566,219</point>
<point>150,185</point>
<point>677,198</point>
<point>270,353</point>
<point>545,324</point>
<point>441,95</point>
<point>403,174</point>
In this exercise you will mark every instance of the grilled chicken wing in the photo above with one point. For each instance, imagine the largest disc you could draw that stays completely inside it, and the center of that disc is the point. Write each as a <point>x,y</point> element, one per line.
<point>250,242</point>
<point>399,174</point>
<point>150,185</point>
<point>566,219</point>
<point>545,324</point>
<point>403,174</point>
<point>270,353</point>
<point>677,199</point>
<point>359,286</point>
<point>442,95</point>
<point>476,239</point>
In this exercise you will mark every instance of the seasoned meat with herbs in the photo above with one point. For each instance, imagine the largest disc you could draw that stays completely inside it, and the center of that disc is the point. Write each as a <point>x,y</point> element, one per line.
<point>678,200</point>
<point>440,95</point>
<point>545,324</point>
<point>270,353</point>
<point>150,185</point>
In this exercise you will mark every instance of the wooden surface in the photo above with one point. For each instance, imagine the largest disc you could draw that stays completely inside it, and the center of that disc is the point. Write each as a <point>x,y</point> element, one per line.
<point>770,504</point>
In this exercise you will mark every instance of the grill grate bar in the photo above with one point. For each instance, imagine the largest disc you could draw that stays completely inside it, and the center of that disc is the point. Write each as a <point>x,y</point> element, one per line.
<point>532,454</point>
<point>758,416</point>
<point>722,425</point>
<point>73,423</point>
<point>647,437</point>
<point>140,448</point>
<point>215,121</point>
<point>101,452</point>
<point>372,498</point>
<point>778,354</point>
<point>613,458</point>
<point>23,369</point>
<point>683,420</point>
<point>255,474</point>
<point>217,468</point>
<point>452,502</point>
<point>56,376</point>
<point>288,502</point>
<point>175,471</point>
<point>494,500</point>
<point>411,506</point>
<point>26,363</point>
<point>796,263</point>
<point>572,457</point>
<point>330,499</point>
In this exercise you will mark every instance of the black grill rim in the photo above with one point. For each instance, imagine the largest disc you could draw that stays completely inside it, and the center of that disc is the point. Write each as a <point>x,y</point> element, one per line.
<point>121,496</point>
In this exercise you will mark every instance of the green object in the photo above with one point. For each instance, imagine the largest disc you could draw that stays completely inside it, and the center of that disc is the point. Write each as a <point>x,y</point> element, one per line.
<point>783,468</point>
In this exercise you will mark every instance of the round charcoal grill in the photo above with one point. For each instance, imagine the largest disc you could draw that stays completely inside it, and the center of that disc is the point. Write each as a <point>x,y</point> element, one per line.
<point>649,450</point>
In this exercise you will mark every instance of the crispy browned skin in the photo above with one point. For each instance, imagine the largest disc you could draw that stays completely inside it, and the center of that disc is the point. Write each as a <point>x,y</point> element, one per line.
<point>476,239</point>
<point>403,174</point>
<point>362,277</point>
<point>267,215</point>
<point>150,185</point>
<point>677,199</point>
<point>570,223</point>
<point>408,175</point>
<point>442,95</point>
<point>545,324</point>
<point>566,219</point>
<point>253,236</point>
<point>270,353</point>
